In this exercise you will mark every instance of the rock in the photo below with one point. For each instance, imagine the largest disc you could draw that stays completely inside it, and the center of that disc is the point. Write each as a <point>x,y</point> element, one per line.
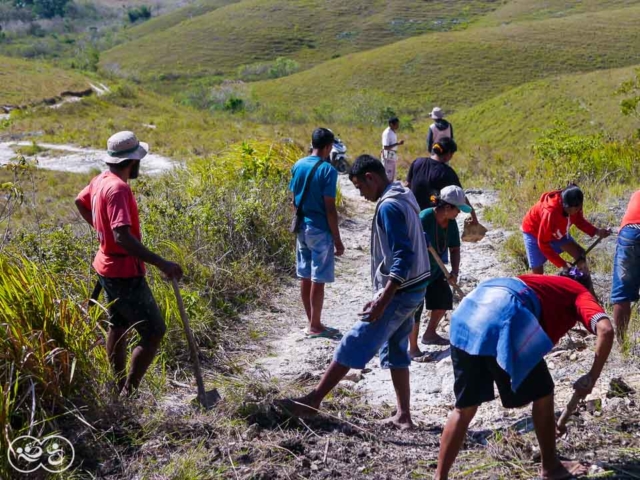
<point>619,388</point>
<point>615,404</point>
<point>354,377</point>
<point>594,405</point>
<point>252,432</point>
<point>551,365</point>
<point>573,357</point>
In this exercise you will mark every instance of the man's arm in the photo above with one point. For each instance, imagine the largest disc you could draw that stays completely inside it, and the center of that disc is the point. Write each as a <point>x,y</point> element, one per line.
<point>604,343</point>
<point>332,219</point>
<point>133,247</point>
<point>389,147</point>
<point>84,211</point>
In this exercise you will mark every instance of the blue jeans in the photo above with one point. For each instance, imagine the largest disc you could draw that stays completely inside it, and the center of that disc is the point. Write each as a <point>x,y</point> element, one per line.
<point>389,335</point>
<point>315,255</point>
<point>626,267</point>
<point>534,254</point>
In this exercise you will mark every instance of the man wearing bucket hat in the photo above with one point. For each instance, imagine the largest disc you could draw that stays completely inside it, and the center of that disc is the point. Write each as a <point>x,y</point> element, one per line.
<point>439,129</point>
<point>108,205</point>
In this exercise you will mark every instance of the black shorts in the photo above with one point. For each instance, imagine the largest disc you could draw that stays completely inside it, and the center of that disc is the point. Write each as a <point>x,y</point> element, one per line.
<point>476,374</point>
<point>133,306</point>
<point>438,297</point>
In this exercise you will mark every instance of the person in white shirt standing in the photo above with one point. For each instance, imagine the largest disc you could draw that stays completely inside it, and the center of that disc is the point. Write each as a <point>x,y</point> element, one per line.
<point>390,143</point>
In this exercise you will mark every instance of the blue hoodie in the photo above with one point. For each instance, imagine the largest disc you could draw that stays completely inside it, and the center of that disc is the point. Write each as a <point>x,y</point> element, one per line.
<point>398,245</point>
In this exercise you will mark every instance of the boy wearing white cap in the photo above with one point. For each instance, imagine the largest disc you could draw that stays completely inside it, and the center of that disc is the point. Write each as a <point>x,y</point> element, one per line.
<point>108,205</point>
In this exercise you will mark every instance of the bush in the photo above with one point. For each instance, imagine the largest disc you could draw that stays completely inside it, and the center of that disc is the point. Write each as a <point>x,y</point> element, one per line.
<point>142,13</point>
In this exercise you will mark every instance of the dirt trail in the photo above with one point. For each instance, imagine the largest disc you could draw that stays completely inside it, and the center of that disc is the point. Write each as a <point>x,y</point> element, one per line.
<point>432,383</point>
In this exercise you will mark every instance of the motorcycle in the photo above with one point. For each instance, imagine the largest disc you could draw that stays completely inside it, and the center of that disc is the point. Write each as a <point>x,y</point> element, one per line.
<point>338,156</point>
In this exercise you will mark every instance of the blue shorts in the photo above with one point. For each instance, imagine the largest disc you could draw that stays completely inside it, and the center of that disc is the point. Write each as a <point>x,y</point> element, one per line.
<point>534,254</point>
<point>389,335</point>
<point>315,255</point>
<point>626,267</point>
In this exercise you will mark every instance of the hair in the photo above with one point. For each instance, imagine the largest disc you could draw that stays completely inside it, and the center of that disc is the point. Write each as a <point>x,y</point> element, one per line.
<point>393,120</point>
<point>366,164</point>
<point>444,146</point>
<point>122,165</point>
<point>575,274</point>
<point>572,196</point>
<point>321,138</point>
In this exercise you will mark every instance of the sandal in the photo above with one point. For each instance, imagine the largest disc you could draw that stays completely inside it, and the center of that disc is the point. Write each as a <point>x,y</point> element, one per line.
<point>331,334</point>
<point>424,357</point>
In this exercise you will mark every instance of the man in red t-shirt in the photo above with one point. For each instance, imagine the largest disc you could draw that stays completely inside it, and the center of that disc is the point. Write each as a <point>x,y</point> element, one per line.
<point>108,205</point>
<point>626,267</point>
<point>500,334</point>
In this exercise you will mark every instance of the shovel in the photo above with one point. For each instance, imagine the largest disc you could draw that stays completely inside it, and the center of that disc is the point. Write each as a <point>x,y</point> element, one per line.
<point>473,232</point>
<point>591,247</point>
<point>447,275</point>
<point>205,398</point>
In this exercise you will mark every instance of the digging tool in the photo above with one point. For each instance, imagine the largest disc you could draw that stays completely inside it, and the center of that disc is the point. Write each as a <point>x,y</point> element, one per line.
<point>567,412</point>
<point>447,275</point>
<point>206,399</point>
<point>591,247</point>
<point>473,232</point>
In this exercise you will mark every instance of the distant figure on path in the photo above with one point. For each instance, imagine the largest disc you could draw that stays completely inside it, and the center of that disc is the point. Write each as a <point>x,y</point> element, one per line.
<point>319,238</point>
<point>500,334</point>
<point>439,129</point>
<point>108,205</point>
<point>429,175</point>
<point>390,143</point>
<point>626,267</point>
<point>440,227</point>
<point>399,273</point>
<point>545,229</point>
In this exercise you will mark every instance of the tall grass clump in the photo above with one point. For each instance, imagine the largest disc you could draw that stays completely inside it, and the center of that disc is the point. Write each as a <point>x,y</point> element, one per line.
<point>51,354</point>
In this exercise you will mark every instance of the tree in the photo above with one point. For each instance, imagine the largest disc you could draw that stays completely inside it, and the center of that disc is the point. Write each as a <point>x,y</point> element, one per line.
<point>44,8</point>
<point>630,106</point>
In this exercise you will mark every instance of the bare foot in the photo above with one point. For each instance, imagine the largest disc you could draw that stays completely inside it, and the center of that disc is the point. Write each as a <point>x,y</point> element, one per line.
<point>434,339</point>
<point>421,357</point>
<point>298,407</point>
<point>403,422</point>
<point>565,469</point>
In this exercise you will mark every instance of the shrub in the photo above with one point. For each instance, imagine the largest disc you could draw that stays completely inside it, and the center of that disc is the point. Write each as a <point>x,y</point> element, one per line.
<point>142,13</point>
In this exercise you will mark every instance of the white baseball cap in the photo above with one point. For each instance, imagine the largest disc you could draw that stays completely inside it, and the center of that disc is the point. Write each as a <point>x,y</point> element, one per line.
<point>455,196</point>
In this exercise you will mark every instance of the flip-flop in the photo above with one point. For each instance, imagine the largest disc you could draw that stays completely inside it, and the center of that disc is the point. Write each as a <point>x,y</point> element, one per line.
<point>443,342</point>
<point>424,357</point>
<point>326,333</point>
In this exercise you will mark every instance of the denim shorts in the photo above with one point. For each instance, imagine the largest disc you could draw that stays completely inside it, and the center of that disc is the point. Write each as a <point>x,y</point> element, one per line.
<point>389,335</point>
<point>315,255</point>
<point>534,254</point>
<point>626,267</point>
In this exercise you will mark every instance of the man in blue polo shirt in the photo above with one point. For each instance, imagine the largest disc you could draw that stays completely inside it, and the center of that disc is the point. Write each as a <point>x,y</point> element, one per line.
<point>319,237</point>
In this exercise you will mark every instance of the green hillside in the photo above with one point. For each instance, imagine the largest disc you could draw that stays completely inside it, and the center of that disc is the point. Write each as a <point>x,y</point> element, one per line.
<point>24,82</point>
<point>164,22</point>
<point>457,69</point>
<point>586,103</point>
<point>522,10</point>
<point>309,31</point>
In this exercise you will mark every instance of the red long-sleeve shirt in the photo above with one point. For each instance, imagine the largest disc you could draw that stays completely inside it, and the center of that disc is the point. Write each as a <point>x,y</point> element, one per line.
<point>548,222</point>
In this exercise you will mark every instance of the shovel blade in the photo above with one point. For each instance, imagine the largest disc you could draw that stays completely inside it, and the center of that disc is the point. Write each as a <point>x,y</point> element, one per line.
<point>208,401</point>
<point>473,232</point>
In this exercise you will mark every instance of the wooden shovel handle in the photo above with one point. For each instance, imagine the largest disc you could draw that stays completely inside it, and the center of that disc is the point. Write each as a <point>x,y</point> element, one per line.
<point>197,371</point>
<point>442,266</point>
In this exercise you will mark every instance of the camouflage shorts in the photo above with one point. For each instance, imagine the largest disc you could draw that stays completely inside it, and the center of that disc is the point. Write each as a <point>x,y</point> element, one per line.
<point>133,306</point>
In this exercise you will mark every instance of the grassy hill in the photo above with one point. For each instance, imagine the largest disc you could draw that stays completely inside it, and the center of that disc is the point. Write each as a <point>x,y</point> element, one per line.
<point>456,69</point>
<point>586,103</point>
<point>308,31</point>
<point>24,82</point>
<point>523,10</point>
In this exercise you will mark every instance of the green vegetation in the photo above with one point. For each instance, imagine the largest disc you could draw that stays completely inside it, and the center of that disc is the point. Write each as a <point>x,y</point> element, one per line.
<point>140,13</point>
<point>465,67</point>
<point>251,31</point>
<point>25,82</point>
<point>40,8</point>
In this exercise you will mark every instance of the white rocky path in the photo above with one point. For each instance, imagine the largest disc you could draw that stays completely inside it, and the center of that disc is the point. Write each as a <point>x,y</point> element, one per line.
<point>292,355</point>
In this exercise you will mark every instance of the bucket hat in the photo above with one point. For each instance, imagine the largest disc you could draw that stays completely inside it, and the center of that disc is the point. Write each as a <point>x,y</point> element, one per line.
<point>437,113</point>
<point>125,146</point>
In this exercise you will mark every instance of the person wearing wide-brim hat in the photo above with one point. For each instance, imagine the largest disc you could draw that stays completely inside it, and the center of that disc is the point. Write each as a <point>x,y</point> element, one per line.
<point>439,129</point>
<point>108,205</point>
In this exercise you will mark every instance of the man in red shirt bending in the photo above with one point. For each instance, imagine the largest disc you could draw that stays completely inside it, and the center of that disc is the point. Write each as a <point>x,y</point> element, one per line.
<point>546,225</point>
<point>500,334</point>
<point>108,205</point>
